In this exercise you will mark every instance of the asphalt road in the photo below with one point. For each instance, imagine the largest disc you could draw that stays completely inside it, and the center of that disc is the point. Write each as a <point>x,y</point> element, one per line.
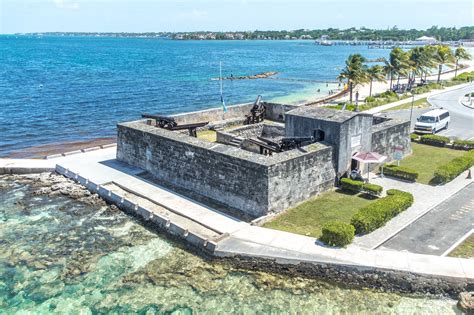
<point>462,117</point>
<point>439,229</point>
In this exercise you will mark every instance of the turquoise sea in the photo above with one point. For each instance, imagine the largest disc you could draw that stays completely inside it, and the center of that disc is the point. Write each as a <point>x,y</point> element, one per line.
<point>61,89</point>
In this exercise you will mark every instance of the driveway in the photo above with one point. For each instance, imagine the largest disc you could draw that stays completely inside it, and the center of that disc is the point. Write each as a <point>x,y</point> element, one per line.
<point>462,117</point>
<point>439,229</point>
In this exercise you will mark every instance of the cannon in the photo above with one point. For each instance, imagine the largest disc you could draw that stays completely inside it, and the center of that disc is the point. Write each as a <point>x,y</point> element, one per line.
<point>295,142</point>
<point>162,121</point>
<point>257,112</point>
<point>170,123</point>
<point>285,144</point>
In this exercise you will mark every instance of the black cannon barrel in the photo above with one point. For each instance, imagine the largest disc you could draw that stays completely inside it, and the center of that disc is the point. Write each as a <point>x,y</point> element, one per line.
<point>158,117</point>
<point>297,139</point>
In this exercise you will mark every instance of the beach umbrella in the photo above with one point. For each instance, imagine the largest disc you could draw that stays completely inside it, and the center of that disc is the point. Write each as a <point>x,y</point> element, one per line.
<point>368,158</point>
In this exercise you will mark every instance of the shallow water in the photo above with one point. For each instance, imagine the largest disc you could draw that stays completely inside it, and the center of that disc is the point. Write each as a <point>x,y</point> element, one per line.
<point>62,256</point>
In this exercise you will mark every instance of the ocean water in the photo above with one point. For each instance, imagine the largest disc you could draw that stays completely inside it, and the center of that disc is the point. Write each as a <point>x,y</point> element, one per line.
<point>61,89</point>
<point>59,256</point>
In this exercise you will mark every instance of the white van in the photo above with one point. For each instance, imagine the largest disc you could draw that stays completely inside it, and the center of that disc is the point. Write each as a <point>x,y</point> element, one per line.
<point>432,121</point>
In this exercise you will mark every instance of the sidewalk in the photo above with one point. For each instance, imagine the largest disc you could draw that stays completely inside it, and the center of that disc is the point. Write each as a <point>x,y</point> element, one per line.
<point>426,197</point>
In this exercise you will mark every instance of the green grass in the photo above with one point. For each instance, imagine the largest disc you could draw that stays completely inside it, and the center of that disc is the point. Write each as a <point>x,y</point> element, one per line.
<point>465,249</point>
<point>426,159</point>
<point>421,103</point>
<point>208,135</point>
<point>309,217</point>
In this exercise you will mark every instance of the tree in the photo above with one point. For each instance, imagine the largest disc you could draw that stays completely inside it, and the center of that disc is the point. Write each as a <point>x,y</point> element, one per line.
<point>444,57</point>
<point>460,54</point>
<point>421,61</point>
<point>375,73</point>
<point>397,65</point>
<point>354,72</point>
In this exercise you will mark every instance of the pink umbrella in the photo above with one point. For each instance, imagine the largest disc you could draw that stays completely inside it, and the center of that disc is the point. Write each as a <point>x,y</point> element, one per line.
<point>369,157</point>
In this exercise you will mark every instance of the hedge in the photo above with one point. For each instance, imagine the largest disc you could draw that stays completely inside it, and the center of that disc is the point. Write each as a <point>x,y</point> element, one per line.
<point>414,137</point>
<point>376,214</point>
<point>336,233</point>
<point>348,184</point>
<point>351,185</point>
<point>435,140</point>
<point>372,189</point>
<point>463,144</point>
<point>402,172</point>
<point>447,172</point>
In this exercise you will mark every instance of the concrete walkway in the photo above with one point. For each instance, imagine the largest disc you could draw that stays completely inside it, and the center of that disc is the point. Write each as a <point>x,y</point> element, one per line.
<point>425,198</point>
<point>26,166</point>
<point>436,232</point>
<point>101,168</point>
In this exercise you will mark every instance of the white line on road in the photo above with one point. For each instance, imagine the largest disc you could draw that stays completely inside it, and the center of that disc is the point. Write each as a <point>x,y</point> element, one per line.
<point>459,241</point>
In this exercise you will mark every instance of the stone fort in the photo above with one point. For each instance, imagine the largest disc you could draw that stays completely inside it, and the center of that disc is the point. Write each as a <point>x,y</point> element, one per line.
<point>241,170</point>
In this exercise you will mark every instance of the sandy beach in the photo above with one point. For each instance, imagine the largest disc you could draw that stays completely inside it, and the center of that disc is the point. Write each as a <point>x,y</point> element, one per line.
<point>39,152</point>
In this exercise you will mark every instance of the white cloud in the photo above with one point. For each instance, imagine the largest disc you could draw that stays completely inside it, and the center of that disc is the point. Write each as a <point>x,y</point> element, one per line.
<point>62,4</point>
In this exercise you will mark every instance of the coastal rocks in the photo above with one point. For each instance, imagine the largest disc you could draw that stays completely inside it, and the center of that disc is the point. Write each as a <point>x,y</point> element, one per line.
<point>262,75</point>
<point>466,302</point>
<point>52,184</point>
<point>387,281</point>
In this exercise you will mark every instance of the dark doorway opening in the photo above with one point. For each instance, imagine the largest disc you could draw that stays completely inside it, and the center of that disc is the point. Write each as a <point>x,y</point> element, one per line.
<point>318,135</point>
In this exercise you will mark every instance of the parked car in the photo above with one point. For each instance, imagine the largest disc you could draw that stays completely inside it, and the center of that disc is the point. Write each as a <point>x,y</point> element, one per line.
<point>433,121</point>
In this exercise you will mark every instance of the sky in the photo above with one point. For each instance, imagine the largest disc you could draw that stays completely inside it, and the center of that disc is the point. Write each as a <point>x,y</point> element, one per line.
<point>25,16</point>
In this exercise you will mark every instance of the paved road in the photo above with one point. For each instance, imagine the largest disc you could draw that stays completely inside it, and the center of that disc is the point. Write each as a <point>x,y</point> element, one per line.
<point>462,117</point>
<point>439,229</point>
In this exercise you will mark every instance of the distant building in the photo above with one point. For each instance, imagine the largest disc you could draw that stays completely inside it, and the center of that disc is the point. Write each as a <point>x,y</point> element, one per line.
<point>426,40</point>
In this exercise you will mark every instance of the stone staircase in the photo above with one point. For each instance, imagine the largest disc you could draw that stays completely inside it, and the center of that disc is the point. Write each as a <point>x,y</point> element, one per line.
<point>236,142</point>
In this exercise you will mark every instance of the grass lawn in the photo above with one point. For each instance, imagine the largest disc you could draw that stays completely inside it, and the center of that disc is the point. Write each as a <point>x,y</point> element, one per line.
<point>208,135</point>
<point>421,103</point>
<point>426,159</point>
<point>308,217</point>
<point>465,249</point>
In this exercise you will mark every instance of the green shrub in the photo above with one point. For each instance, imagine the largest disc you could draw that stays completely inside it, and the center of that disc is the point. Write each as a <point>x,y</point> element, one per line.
<point>463,144</point>
<point>335,233</point>
<point>466,76</point>
<point>348,184</point>
<point>435,140</point>
<point>372,189</point>
<point>376,214</point>
<point>400,172</point>
<point>446,173</point>
<point>369,99</point>
<point>414,137</point>
<point>388,94</point>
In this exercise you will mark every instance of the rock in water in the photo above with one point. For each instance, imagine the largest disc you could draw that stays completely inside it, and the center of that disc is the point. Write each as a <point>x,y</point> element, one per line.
<point>466,302</point>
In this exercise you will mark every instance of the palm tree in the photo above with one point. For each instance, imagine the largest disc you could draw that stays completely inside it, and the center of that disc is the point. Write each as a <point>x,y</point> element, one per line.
<point>375,73</point>
<point>460,54</point>
<point>354,72</point>
<point>397,64</point>
<point>443,56</point>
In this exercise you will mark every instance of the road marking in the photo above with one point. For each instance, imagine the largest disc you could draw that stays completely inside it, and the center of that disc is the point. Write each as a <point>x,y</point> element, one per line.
<point>459,241</point>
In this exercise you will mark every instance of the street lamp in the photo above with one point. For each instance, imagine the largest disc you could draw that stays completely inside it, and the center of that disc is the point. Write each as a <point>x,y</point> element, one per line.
<point>412,104</point>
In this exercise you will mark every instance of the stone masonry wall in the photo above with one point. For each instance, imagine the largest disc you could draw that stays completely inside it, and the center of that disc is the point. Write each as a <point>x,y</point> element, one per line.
<point>389,134</point>
<point>301,178</point>
<point>250,182</point>
<point>190,163</point>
